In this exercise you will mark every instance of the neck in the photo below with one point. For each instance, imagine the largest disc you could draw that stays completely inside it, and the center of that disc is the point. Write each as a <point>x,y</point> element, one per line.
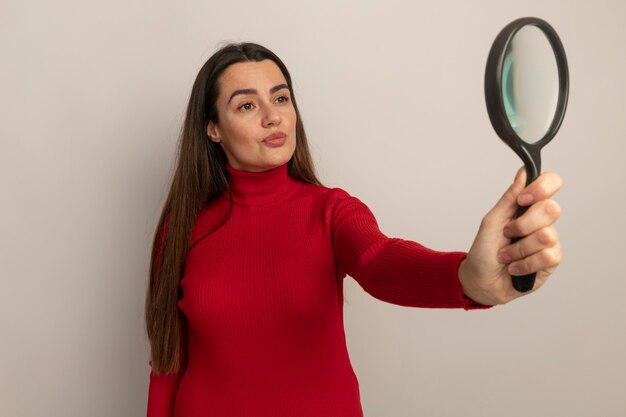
<point>256,188</point>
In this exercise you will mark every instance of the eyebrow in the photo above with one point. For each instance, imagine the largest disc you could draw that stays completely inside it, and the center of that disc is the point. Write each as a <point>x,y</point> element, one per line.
<point>253,91</point>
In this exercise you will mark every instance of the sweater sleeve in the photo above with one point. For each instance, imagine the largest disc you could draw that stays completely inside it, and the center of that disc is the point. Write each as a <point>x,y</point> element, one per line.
<point>162,393</point>
<point>394,270</point>
<point>163,387</point>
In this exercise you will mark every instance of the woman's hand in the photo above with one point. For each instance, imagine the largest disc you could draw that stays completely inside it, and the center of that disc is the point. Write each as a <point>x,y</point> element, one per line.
<point>486,272</point>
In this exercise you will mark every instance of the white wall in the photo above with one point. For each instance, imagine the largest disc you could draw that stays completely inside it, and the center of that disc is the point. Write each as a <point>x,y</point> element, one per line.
<point>92,96</point>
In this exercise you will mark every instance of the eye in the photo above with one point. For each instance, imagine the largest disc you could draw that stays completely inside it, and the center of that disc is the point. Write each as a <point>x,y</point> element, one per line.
<point>285,99</point>
<point>247,105</point>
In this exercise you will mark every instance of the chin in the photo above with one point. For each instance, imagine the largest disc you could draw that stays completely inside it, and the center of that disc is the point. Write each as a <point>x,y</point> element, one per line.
<point>285,154</point>
<point>276,158</point>
<point>279,161</point>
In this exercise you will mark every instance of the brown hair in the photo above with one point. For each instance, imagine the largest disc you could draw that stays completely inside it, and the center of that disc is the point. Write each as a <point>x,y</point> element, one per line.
<point>200,177</point>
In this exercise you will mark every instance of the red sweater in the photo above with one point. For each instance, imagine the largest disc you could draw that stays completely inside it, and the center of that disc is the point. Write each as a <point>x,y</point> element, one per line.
<point>263,299</point>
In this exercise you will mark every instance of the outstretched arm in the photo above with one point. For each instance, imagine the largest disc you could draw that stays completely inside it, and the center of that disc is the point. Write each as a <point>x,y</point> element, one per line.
<point>394,270</point>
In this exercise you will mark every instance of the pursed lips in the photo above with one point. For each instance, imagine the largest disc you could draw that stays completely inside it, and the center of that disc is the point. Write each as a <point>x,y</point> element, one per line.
<point>275,140</point>
<point>273,136</point>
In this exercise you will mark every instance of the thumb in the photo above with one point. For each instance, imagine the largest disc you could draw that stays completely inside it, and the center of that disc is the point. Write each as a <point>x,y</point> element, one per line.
<point>506,207</point>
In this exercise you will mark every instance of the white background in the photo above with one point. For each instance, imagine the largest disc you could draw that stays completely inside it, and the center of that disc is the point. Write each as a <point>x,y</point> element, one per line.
<point>92,95</point>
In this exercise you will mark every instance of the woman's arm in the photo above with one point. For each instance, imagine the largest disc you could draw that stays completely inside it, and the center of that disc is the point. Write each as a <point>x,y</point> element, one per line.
<point>406,273</point>
<point>163,387</point>
<point>162,394</point>
<point>394,270</point>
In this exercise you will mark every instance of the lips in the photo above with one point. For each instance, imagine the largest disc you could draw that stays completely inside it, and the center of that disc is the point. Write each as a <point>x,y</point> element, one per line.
<point>276,139</point>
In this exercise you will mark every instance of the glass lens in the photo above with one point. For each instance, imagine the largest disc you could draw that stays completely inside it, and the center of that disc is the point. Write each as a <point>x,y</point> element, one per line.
<point>530,83</point>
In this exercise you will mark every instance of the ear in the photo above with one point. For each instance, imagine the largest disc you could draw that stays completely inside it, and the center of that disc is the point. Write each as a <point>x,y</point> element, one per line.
<point>213,132</point>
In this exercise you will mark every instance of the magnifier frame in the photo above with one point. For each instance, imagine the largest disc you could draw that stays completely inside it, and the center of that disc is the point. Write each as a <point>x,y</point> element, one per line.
<point>528,152</point>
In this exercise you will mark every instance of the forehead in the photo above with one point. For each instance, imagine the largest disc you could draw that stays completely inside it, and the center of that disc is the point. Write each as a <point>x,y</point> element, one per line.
<point>261,75</point>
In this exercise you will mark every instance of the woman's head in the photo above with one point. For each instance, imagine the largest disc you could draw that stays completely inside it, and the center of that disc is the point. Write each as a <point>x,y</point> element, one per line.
<point>237,123</point>
<point>217,130</point>
<point>254,102</point>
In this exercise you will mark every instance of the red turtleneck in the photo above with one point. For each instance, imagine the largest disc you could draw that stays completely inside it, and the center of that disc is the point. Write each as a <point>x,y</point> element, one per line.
<point>263,299</point>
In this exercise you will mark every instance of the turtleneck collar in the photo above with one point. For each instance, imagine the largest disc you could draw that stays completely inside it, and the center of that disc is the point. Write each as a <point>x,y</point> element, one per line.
<point>256,188</point>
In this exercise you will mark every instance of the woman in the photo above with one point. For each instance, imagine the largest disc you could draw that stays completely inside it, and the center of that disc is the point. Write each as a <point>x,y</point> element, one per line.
<point>244,308</point>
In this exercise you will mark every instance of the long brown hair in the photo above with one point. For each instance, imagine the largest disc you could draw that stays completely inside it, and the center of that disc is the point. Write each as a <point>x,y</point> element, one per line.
<point>200,177</point>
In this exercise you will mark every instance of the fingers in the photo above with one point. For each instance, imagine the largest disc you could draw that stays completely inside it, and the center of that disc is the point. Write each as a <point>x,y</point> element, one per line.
<point>538,216</point>
<point>542,239</point>
<point>539,261</point>
<point>544,187</point>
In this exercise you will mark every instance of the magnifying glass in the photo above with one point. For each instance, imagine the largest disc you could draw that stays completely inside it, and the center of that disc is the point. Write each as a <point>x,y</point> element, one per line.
<point>526,90</point>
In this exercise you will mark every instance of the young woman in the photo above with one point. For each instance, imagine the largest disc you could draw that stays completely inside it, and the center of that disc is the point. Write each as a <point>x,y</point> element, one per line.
<point>244,307</point>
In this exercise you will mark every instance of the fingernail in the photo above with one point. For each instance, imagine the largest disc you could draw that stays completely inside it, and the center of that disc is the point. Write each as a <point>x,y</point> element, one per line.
<point>515,269</point>
<point>504,257</point>
<point>525,199</point>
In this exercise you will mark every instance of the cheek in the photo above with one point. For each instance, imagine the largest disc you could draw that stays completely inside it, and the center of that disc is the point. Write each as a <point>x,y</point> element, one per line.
<point>292,121</point>
<point>239,134</point>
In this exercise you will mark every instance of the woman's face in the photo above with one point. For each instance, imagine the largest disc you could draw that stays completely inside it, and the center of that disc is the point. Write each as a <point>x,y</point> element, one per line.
<point>253,103</point>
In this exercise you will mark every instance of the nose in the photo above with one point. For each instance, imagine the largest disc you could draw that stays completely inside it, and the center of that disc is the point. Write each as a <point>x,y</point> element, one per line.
<point>271,116</point>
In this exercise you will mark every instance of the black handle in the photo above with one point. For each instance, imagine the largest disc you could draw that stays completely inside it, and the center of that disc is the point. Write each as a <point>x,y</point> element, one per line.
<point>522,283</point>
